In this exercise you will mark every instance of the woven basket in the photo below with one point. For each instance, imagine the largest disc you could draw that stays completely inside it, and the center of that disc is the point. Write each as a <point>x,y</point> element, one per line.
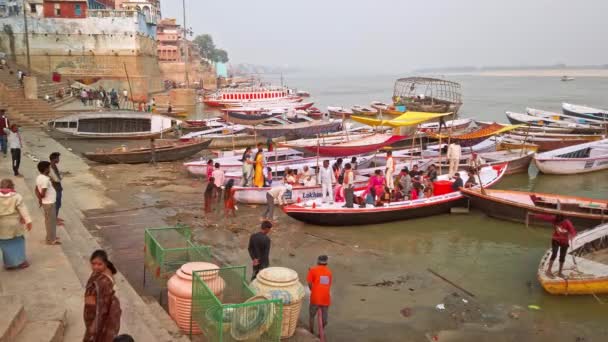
<point>291,313</point>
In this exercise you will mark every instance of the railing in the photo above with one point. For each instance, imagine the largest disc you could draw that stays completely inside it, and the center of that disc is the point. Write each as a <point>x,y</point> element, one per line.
<point>104,13</point>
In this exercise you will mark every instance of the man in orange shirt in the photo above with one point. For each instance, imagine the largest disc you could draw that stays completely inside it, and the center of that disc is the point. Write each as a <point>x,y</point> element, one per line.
<point>319,281</point>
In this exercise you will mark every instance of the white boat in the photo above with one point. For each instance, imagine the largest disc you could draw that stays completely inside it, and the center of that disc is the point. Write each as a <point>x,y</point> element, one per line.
<point>563,117</point>
<point>232,163</point>
<point>458,124</point>
<point>248,96</point>
<point>584,111</point>
<point>111,125</point>
<point>299,193</point>
<point>488,145</point>
<point>566,78</point>
<point>582,158</point>
<point>520,118</point>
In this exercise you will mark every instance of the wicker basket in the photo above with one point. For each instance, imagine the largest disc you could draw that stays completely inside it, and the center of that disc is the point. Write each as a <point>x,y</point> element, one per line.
<point>282,283</point>
<point>291,313</point>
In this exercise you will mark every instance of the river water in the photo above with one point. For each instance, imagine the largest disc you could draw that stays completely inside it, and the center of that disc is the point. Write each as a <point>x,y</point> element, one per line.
<point>494,259</point>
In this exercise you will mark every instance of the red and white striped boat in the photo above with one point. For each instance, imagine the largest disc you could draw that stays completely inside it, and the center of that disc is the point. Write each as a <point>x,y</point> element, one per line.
<point>249,96</point>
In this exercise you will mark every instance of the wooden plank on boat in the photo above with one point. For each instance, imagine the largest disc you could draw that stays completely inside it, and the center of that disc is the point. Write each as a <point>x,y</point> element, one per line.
<point>459,210</point>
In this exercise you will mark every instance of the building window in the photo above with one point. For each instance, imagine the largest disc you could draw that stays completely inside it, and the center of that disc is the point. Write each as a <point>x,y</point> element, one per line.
<point>33,8</point>
<point>57,10</point>
<point>77,10</point>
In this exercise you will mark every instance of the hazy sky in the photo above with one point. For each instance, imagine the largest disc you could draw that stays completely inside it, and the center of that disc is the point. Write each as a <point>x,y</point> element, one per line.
<point>400,35</point>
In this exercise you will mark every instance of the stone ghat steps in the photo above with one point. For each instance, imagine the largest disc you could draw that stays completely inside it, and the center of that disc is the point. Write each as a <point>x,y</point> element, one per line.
<point>17,326</point>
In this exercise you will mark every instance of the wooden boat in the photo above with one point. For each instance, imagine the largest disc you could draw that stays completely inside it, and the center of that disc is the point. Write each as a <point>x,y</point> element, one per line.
<point>297,130</point>
<point>261,108</point>
<point>302,93</point>
<point>339,112</point>
<point>361,110</point>
<point>506,144</point>
<point>549,144</point>
<point>254,195</point>
<point>531,128</point>
<point>165,151</point>
<point>565,117</point>
<point>585,268</point>
<point>583,158</point>
<point>324,214</point>
<point>247,119</point>
<point>377,105</point>
<point>519,118</point>
<point>353,147</point>
<point>510,205</point>
<point>111,125</point>
<point>226,97</point>
<point>232,161</point>
<point>566,78</point>
<point>456,125</point>
<point>584,111</point>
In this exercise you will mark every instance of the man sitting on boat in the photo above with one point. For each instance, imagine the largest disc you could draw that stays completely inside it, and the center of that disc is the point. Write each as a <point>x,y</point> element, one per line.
<point>563,233</point>
<point>457,182</point>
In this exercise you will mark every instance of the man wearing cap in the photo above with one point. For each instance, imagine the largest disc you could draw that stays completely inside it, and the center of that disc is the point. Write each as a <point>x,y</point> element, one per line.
<point>259,248</point>
<point>319,281</point>
<point>277,193</point>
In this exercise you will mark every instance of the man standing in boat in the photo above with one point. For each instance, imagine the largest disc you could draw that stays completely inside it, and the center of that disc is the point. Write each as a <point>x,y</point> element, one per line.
<point>390,170</point>
<point>327,179</point>
<point>349,184</point>
<point>563,233</point>
<point>454,153</point>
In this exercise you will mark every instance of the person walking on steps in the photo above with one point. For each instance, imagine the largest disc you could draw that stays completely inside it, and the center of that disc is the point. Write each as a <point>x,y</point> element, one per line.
<point>319,281</point>
<point>327,179</point>
<point>259,248</point>
<point>55,176</point>
<point>14,145</point>
<point>563,233</point>
<point>102,310</point>
<point>4,123</point>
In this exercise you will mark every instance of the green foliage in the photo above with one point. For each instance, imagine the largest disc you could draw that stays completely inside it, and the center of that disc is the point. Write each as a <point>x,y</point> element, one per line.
<point>208,49</point>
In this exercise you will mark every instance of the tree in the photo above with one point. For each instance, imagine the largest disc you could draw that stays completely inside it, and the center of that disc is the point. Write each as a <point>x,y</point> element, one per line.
<point>220,55</point>
<point>206,45</point>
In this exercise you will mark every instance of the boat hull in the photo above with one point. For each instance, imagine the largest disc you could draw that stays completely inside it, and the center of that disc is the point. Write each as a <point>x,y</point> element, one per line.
<point>252,195</point>
<point>518,212</point>
<point>571,167</point>
<point>57,134</point>
<point>139,157</point>
<point>364,216</point>
<point>560,286</point>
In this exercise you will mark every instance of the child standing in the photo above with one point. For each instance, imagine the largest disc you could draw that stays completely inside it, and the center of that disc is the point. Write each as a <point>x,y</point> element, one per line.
<point>208,196</point>
<point>268,177</point>
<point>209,168</point>
<point>229,206</point>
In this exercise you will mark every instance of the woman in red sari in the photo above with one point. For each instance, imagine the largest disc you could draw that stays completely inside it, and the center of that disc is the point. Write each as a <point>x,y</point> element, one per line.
<point>101,307</point>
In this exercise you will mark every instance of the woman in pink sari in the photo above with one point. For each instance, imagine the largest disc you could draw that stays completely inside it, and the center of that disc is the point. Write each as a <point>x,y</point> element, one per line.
<point>339,191</point>
<point>377,182</point>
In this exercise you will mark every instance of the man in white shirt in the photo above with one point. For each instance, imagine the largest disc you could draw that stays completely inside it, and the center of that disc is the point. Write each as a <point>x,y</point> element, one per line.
<point>46,198</point>
<point>390,171</point>
<point>276,193</point>
<point>327,179</point>
<point>454,154</point>
<point>14,145</point>
<point>219,176</point>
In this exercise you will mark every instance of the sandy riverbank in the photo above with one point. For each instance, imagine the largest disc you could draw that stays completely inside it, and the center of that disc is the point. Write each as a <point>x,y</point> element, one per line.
<point>376,296</point>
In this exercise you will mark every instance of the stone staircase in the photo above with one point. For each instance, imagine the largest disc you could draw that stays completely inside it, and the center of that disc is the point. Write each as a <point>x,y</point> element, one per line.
<point>26,112</point>
<point>16,325</point>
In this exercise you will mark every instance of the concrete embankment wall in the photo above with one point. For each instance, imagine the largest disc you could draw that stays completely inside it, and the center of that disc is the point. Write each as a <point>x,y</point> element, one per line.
<point>91,49</point>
